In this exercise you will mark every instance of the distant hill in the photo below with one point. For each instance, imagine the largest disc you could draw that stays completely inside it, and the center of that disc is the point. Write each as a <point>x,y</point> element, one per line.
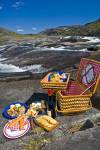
<point>89,29</point>
<point>4,31</point>
<point>6,35</point>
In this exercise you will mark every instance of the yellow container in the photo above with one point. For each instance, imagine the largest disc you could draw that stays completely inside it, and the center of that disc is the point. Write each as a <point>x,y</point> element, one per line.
<point>53,85</point>
<point>71,104</point>
<point>78,97</point>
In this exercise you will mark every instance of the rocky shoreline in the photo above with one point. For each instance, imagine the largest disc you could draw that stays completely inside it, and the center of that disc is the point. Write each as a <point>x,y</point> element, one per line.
<point>88,138</point>
<point>38,139</point>
<point>23,86</point>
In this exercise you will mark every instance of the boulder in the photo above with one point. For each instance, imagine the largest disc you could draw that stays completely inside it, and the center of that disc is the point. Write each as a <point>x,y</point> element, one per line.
<point>93,48</point>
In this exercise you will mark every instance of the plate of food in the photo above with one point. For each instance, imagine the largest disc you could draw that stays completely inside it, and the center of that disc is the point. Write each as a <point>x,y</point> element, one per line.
<point>14,109</point>
<point>16,128</point>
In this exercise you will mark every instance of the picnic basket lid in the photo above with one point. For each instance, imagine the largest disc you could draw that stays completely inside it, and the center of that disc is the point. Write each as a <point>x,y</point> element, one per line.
<point>89,74</point>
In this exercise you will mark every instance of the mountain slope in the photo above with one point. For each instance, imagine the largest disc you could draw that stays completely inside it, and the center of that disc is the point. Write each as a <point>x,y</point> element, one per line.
<point>6,35</point>
<point>89,29</point>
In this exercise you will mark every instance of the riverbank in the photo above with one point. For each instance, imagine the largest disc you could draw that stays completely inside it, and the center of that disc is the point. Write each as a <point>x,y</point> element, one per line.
<point>19,88</point>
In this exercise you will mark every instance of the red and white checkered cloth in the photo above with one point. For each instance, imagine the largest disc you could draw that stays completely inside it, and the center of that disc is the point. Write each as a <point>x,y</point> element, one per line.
<point>16,126</point>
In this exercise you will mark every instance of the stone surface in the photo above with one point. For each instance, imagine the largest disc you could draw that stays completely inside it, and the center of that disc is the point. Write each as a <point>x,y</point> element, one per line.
<point>58,139</point>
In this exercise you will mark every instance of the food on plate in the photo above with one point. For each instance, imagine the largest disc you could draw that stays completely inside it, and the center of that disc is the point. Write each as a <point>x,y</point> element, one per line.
<point>21,124</point>
<point>31,112</point>
<point>16,110</point>
<point>21,110</point>
<point>11,112</point>
<point>36,106</point>
<point>12,106</point>
<point>17,123</point>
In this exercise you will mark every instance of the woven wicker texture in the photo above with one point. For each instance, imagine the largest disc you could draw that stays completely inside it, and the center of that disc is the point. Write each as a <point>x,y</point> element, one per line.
<point>53,85</point>
<point>74,99</point>
<point>70,104</point>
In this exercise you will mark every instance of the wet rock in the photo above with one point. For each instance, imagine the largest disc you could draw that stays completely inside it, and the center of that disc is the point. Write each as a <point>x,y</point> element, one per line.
<point>93,48</point>
<point>73,39</point>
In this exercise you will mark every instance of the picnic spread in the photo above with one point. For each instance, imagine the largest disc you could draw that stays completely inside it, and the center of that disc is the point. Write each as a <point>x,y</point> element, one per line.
<point>64,97</point>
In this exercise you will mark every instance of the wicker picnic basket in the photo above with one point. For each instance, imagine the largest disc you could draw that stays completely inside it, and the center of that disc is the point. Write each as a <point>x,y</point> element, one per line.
<point>76,98</point>
<point>54,85</point>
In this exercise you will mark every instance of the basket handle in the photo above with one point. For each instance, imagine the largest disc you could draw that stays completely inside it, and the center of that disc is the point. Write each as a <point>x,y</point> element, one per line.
<point>68,75</point>
<point>87,88</point>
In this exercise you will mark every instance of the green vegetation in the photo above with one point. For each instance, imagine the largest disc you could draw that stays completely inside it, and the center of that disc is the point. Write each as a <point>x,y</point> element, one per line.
<point>89,29</point>
<point>7,35</point>
<point>95,56</point>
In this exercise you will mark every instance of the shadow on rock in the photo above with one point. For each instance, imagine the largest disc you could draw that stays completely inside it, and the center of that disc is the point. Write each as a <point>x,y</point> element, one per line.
<point>96,101</point>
